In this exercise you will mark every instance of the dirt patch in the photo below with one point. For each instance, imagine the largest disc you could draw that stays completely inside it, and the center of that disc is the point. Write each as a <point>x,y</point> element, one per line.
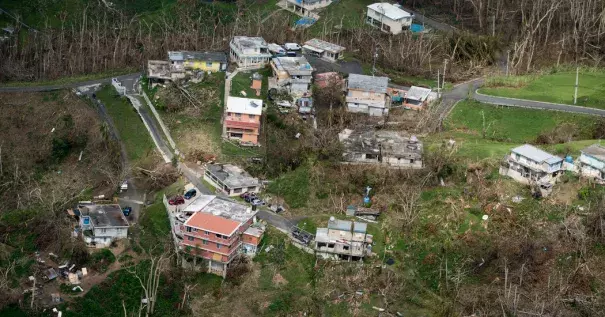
<point>279,280</point>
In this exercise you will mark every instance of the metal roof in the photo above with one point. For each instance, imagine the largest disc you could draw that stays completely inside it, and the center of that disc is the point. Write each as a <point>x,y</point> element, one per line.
<point>245,105</point>
<point>390,11</point>
<point>596,151</point>
<point>360,227</point>
<point>337,224</point>
<point>198,56</point>
<point>535,154</point>
<point>368,83</point>
<point>294,66</point>
<point>418,93</point>
<point>321,45</point>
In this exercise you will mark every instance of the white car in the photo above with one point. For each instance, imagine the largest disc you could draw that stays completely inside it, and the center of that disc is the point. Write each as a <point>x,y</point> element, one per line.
<point>292,47</point>
<point>276,49</point>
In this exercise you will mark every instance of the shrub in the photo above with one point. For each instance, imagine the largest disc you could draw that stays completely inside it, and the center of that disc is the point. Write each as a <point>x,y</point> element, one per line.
<point>101,260</point>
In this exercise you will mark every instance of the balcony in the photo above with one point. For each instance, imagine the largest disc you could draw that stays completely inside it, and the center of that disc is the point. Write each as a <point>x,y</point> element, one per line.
<point>241,124</point>
<point>210,254</point>
<point>212,238</point>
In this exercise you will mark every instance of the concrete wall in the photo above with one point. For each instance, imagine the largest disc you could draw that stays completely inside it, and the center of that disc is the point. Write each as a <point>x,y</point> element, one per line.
<point>388,25</point>
<point>204,66</point>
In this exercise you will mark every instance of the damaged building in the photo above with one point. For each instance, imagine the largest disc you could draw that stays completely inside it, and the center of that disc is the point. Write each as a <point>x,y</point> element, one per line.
<point>343,240</point>
<point>367,146</point>
<point>230,179</point>
<point>291,74</point>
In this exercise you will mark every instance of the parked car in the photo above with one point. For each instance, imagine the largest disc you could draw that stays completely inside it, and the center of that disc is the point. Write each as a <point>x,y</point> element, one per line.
<point>126,211</point>
<point>177,200</point>
<point>190,194</point>
<point>292,47</point>
<point>276,49</point>
<point>257,202</point>
<point>250,198</point>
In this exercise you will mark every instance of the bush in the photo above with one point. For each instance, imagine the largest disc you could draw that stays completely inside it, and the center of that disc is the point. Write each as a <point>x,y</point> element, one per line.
<point>101,260</point>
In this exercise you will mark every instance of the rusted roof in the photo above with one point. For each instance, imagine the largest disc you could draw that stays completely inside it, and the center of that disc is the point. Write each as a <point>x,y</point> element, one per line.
<point>212,223</point>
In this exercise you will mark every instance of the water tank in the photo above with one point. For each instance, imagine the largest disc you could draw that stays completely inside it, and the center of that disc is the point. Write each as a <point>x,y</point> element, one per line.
<point>569,159</point>
<point>332,218</point>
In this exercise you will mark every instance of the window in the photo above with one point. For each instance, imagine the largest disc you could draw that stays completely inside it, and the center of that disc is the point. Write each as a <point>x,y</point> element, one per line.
<point>208,64</point>
<point>238,115</point>
<point>189,229</point>
<point>190,238</point>
<point>251,116</point>
<point>237,190</point>
<point>219,236</point>
<point>103,230</point>
<point>206,232</point>
<point>345,247</point>
<point>251,189</point>
<point>321,244</point>
<point>228,114</point>
<point>331,245</point>
<point>218,245</point>
<point>204,241</point>
<point>411,161</point>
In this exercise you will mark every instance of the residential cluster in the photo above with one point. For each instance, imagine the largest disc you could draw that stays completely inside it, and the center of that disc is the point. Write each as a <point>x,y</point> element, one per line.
<point>530,165</point>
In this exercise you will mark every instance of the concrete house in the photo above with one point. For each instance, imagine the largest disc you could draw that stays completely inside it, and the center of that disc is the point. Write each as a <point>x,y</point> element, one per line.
<point>388,18</point>
<point>529,165</point>
<point>102,224</point>
<point>592,162</point>
<point>324,50</point>
<point>249,52</point>
<point>368,94</point>
<point>197,61</point>
<point>343,240</point>
<point>367,146</point>
<point>158,71</point>
<point>230,179</point>
<point>304,7</point>
<point>242,120</point>
<point>292,74</point>
<point>217,231</point>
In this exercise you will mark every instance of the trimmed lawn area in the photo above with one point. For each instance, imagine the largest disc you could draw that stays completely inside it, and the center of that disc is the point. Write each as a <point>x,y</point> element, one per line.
<point>515,125</point>
<point>293,186</point>
<point>132,131</point>
<point>557,88</point>
<point>243,82</point>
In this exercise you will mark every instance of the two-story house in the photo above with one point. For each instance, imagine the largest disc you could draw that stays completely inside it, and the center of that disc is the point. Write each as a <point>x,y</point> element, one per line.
<point>102,224</point>
<point>230,179</point>
<point>304,7</point>
<point>325,50</point>
<point>528,164</point>
<point>218,230</point>
<point>249,52</point>
<point>368,94</point>
<point>242,119</point>
<point>592,162</point>
<point>292,74</point>
<point>344,240</point>
<point>388,18</point>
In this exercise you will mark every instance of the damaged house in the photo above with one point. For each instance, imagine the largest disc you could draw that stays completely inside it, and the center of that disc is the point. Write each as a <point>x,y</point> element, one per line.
<point>367,146</point>
<point>368,94</point>
<point>102,224</point>
<point>230,179</point>
<point>292,74</point>
<point>325,50</point>
<point>343,240</point>
<point>592,162</point>
<point>528,164</point>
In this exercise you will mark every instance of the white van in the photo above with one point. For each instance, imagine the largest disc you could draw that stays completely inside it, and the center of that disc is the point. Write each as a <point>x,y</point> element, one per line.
<point>292,47</point>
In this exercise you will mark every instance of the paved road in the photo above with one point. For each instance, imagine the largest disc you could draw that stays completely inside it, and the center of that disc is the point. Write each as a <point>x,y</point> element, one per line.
<point>123,78</point>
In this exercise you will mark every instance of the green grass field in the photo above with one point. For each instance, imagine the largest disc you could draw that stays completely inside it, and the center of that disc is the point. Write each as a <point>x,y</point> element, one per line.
<point>507,127</point>
<point>557,88</point>
<point>69,80</point>
<point>132,131</point>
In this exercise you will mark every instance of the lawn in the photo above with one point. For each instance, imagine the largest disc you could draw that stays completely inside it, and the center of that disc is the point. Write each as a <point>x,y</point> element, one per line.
<point>293,186</point>
<point>556,87</point>
<point>133,132</point>
<point>513,125</point>
<point>243,82</point>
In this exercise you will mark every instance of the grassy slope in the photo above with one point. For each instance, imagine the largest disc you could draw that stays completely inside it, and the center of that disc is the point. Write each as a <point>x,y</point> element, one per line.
<point>132,131</point>
<point>558,88</point>
<point>508,127</point>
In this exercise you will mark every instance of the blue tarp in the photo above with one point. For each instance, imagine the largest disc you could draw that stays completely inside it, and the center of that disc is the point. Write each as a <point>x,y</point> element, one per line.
<point>417,28</point>
<point>306,21</point>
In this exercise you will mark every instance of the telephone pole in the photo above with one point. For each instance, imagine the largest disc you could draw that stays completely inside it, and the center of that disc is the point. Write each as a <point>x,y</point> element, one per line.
<point>575,94</point>
<point>438,90</point>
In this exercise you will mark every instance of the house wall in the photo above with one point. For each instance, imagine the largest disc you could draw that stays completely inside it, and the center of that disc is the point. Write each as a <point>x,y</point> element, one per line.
<point>112,232</point>
<point>535,165</point>
<point>248,57</point>
<point>402,162</point>
<point>394,26</point>
<point>249,239</point>
<point>203,65</point>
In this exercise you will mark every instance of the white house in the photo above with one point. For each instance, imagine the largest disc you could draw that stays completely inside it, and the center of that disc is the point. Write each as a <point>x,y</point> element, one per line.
<point>388,18</point>
<point>530,165</point>
<point>230,179</point>
<point>102,224</point>
<point>325,50</point>
<point>304,7</point>
<point>367,94</point>
<point>592,162</point>
<point>249,52</point>
<point>292,74</point>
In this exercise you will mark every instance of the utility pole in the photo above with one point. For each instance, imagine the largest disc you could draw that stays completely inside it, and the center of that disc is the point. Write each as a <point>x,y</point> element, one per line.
<point>444,68</point>
<point>507,61</point>
<point>438,90</point>
<point>575,94</point>
<point>494,25</point>
<point>375,57</point>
